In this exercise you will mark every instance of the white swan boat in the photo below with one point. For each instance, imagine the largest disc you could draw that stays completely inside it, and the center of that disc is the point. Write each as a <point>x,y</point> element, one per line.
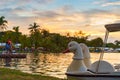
<point>81,67</point>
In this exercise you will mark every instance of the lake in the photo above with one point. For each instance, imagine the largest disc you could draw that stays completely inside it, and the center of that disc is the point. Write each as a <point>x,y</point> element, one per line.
<point>54,64</point>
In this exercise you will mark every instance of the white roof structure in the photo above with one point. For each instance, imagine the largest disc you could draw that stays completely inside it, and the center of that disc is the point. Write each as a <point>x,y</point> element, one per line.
<point>113,27</point>
<point>2,44</point>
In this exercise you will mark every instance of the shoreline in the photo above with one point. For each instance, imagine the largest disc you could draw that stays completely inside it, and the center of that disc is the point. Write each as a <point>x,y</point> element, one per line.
<point>12,74</point>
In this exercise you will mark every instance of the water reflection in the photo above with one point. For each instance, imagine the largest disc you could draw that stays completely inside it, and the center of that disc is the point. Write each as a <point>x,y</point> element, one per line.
<point>53,64</point>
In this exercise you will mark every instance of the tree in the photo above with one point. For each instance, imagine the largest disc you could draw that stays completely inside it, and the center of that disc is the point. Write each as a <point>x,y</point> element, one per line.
<point>35,34</point>
<point>97,42</point>
<point>79,34</point>
<point>8,35</point>
<point>16,33</point>
<point>68,34</point>
<point>44,33</point>
<point>25,41</point>
<point>16,29</point>
<point>117,43</point>
<point>3,23</point>
<point>111,45</point>
<point>34,27</point>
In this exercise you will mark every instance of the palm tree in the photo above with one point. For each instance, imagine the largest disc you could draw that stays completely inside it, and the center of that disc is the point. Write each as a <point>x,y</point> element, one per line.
<point>3,23</point>
<point>16,29</point>
<point>34,30</point>
<point>16,33</point>
<point>34,27</point>
<point>117,43</point>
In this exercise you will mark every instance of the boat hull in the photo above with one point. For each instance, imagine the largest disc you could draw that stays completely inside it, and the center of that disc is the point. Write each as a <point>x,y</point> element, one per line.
<point>114,76</point>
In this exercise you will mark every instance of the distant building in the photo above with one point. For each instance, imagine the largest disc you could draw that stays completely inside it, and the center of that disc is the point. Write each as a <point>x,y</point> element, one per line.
<point>2,44</point>
<point>17,45</point>
<point>117,49</point>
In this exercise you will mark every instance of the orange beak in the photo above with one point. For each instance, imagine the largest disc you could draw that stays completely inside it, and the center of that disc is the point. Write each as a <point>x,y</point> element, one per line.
<point>66,51</point>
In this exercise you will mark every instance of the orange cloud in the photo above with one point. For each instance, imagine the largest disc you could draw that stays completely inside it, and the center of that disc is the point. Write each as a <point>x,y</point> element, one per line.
<point>60,21</point>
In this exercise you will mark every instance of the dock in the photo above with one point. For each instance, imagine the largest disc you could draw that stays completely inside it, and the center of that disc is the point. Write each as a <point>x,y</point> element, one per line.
<point>8,57</point>
<point>17,55</point>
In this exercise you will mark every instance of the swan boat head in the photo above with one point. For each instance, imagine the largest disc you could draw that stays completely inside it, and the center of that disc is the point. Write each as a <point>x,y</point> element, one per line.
<point>77,64</point>
<point>76,49</point>
<point>81,51</point>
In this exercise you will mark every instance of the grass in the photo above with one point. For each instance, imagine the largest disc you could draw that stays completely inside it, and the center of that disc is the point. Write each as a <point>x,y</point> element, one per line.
<point>9,74</point>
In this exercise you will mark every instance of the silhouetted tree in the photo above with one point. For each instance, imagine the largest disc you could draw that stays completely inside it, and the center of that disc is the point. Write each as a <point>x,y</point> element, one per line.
<point>3,23</point>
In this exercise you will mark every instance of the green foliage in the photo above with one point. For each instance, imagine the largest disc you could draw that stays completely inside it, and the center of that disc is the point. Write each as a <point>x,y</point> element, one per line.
<point>50,42</point>
<point>97,42</point>
<point>111,45</point>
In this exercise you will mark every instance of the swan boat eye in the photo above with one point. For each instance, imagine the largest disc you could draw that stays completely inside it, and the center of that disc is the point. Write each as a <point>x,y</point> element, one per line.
<point>70,45</point>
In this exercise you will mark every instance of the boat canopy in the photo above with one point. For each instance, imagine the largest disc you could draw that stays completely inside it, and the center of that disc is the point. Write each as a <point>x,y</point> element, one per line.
<point>113,27</point>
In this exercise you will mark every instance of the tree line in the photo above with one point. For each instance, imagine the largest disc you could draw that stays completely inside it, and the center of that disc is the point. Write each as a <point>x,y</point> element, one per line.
<point>51,42</point>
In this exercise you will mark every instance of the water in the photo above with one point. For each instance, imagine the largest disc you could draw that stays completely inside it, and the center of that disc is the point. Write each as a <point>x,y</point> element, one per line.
<point>54,64</point>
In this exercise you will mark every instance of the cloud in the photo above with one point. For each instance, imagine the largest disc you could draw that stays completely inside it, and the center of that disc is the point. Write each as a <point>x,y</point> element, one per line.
<point>44,1</point>
<point>21,8</point>
<point>111,4</point>
<point>105,3</point>
<point>25,1</point>
<point>61,19</point>
<point>28,4</point>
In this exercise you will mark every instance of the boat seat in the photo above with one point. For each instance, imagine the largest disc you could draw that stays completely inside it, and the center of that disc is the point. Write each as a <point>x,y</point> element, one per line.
<point>104,67</point>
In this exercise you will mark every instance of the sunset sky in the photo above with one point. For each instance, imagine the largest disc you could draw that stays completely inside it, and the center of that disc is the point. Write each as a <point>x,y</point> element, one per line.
<point>62,16</point>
